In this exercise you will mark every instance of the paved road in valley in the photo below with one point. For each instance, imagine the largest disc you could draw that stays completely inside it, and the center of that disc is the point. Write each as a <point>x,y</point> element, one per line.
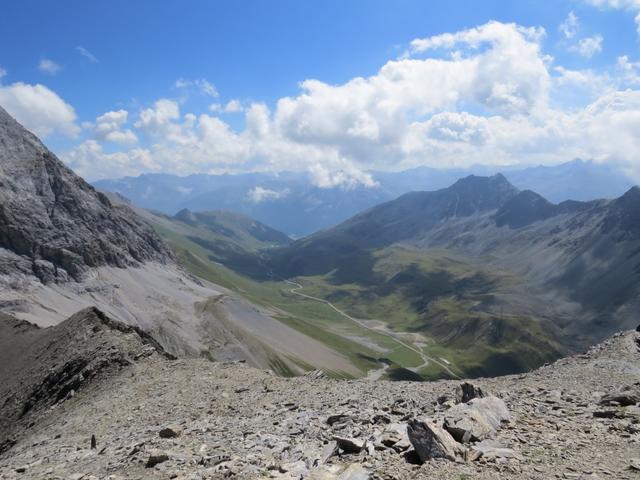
<point>424,357</point>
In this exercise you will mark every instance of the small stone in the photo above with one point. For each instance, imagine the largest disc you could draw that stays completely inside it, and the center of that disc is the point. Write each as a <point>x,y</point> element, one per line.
<point>466,391</point>
<point>490,450</point>
<point>329,450</point>
<point>169,432</point>
<point>339,418</point>
<point>349,445</point>
<point>155,459</point>
<point>296,469</point>
<point>354,471</point>
<point>624,398</point>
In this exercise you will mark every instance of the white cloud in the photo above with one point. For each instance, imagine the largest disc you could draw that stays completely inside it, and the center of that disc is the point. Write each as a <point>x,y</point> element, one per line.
<point>109,128</point>
<point>232,106</point>
<point>86,54</point>
<point>200,84</point>
<point>259,194</point>
<point>3,72</point>
<point>570,26</point>
<point>492,32</point>
<point>589,46</point>
<point>630,71</point>
<point>49,66</point>
<point>347,177</point>
<point>585,83</point>
<point>489,95</point>
<point>158,120</point>
<point>90,161</point>
<point>39,109</point>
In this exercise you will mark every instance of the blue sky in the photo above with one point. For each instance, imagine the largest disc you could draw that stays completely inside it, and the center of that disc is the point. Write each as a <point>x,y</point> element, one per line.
<point>125,56</point>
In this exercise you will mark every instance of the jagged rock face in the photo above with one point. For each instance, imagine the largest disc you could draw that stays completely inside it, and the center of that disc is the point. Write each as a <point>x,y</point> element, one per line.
<point>57,222</point>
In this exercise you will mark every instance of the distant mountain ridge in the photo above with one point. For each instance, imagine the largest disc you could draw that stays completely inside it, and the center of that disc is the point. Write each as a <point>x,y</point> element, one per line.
<point>235,226</point>
<point>289,201</point>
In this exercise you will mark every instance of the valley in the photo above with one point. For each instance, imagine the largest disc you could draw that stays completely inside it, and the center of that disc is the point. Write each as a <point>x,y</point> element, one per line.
<point>445,302</point>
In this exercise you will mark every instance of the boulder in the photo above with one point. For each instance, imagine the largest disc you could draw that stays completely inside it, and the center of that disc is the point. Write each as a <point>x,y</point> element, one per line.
<point>477,419</point>
<point>431,441</point>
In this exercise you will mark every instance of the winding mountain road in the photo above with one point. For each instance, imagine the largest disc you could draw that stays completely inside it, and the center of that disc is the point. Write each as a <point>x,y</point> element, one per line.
<point>426,359</point>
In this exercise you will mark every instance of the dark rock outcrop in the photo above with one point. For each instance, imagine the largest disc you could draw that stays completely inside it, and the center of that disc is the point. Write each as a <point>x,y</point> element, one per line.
<point>467,391</point>
<point>56,221</point>
<point>45,366</point>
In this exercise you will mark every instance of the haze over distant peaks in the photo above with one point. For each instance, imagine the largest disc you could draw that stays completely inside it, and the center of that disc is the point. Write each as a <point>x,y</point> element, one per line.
<point>289,201</point>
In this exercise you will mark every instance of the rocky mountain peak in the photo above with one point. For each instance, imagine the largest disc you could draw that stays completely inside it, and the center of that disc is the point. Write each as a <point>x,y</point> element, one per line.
<point>475,193</point>
<point>478,182</point>
<point>186,215</point>
<point>523,209</point>
<point>55,225</point>
<point>624,214</point>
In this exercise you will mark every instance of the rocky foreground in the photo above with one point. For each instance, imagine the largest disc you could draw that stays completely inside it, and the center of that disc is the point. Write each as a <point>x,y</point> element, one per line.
<point>98,400</point>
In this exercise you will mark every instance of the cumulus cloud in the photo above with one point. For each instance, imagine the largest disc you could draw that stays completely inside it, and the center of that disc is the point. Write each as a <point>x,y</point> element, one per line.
<point>90,161</point>
<point>86,54</point>
<point>486,95</point>
<point>630,71</point>
<point>39,109</point>
<point>158,120</point>
<point>589,46</point>
<point>49,66</point>
<point>109,128</point>
<point>259,194</point>
<point>570,26</point>
<point>582,84</point>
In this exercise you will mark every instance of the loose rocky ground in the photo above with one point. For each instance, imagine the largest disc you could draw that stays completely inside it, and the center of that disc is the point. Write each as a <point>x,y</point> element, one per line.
<point>152,417</point>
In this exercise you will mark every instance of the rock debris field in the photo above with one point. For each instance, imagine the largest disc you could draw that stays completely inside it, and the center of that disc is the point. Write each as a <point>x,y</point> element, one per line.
<point>139,414</point>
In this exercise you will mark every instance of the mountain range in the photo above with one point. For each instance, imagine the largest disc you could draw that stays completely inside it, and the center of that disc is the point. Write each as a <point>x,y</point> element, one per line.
<point>478,278</point>
<point>481,267</point>
<point>291,203</point>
